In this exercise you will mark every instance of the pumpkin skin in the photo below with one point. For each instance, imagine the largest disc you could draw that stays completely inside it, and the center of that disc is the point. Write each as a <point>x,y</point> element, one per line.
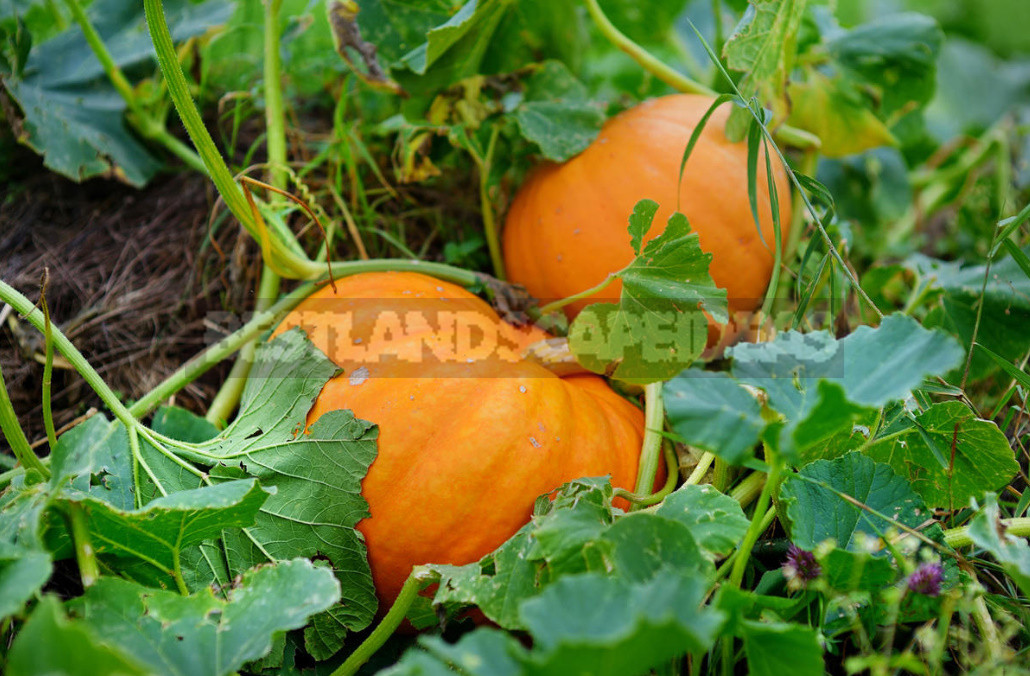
<point>466,444</point>
<point>566,228</point>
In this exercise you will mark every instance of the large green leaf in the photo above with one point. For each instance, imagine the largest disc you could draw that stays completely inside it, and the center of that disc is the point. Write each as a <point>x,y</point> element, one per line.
<point>774,648</point>
<point>714,520</point>
<point>159,532</point>
<point>659,325</point>
<point>712,411</point>
<point>22,574</point>
<point>487,37</point>
<point>948,454</point>
<point>896,56</point>
<point>592,624</point>
<point>556,113</point>
<point>50,643</point>
<point>201,634</point>
<point>1005,313</point>
<point>816,511</point>
<point>822,387</point>
<point>93,458</point>
<point>72,115</point>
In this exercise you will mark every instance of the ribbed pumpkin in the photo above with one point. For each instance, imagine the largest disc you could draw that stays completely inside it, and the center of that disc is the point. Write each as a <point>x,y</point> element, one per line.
<point>467,440</point>
<point>566,229</point>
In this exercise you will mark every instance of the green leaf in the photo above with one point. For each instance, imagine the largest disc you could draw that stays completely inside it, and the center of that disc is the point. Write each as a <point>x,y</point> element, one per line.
<point>713,412</point>
<point>896,56</point>
<point>816,512</point>
<point>775,648</point>
<point>592,624</point>
<point>182,425</point>
<point>22,574</point>
<point>201,635</point>
<point>484,37</point>
<point>948,454</point>
<point>763,46</point>
<point>93,458</point>
<point>556,113</point>
<point>870,367</point>
<point>316,476</point>
<point>317,504</point>
<point>563,538</point>
<point>659,326</point>
<point>23,515</point>
<point>1013,553</point>
<point>71,114</point>
<point>484,652</point>
<point>287,375</point>
<point>646,546</point>
<point>50,643</point>
<point>497,583</point>
<point>836,114</point>
<point>855,570</point>
<point>716,521</point>
<point>160,531</point>
<point>1006,307</point>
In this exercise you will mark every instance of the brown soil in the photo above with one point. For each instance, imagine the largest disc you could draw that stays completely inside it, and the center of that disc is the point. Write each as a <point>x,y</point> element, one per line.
<point>132,277</point>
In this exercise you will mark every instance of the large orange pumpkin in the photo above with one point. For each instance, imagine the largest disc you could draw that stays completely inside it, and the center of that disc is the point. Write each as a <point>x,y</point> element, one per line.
<point>469,433</point>
<point>566,229</point>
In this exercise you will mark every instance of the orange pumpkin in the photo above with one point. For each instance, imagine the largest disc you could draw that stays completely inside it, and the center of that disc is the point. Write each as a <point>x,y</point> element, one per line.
<point>566,229</point>
<point>469,433</point>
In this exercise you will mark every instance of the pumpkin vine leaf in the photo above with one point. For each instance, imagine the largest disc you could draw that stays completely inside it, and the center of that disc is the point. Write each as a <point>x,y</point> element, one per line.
<point>660,324</point>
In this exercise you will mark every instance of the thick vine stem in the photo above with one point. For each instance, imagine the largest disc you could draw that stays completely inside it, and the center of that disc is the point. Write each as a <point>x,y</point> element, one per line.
<point>654,420</point>
<point>14,434</point>
<point>387,625</point>
<point>797,138</point>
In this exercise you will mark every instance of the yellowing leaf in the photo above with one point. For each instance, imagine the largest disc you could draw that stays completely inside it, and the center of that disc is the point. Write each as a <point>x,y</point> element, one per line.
<point>846,126</point>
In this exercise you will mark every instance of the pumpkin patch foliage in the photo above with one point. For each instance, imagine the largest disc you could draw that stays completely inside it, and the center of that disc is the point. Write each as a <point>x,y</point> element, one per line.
<point>600,337</point>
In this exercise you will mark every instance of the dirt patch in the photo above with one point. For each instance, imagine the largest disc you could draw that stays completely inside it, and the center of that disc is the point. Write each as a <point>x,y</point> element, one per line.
<point>132,276</point>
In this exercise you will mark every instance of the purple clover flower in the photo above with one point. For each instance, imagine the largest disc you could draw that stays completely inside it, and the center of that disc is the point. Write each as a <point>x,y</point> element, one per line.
<point>926,579</point>
<point>800,567</point>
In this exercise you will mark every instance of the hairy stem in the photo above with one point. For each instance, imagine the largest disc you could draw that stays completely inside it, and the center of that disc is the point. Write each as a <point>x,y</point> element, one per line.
<point>48,371</point>
<point>701,469</point>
